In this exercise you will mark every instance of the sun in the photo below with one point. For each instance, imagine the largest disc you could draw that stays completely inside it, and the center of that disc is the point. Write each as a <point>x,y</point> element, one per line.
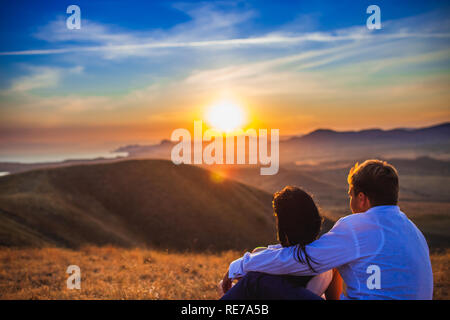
<point>225,116</point>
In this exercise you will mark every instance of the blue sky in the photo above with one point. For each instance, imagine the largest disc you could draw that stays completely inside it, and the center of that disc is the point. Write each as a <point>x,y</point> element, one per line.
<point>136,70</point>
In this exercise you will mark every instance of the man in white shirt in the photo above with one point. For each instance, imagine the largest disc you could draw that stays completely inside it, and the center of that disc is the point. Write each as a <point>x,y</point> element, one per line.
<point>378,251</point>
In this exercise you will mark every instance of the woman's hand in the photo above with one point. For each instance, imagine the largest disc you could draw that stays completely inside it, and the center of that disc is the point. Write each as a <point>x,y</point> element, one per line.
<point>226,283</point>
<point>257,249</point>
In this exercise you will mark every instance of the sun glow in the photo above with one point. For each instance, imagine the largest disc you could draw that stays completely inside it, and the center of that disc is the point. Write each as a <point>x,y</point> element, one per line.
<point>225,116</point>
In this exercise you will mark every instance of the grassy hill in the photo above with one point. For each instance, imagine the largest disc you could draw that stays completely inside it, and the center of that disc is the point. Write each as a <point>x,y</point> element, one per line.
<point>136,203</point>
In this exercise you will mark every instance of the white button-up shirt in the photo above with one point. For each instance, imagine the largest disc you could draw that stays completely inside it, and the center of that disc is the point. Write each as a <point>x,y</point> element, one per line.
<point>380,254</point>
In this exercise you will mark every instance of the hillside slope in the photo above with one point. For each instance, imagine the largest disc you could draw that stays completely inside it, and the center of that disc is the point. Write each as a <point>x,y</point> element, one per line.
<point>150,203</point>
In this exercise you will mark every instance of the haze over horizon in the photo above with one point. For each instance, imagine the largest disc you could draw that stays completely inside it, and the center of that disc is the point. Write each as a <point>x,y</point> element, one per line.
<point>122,151</point>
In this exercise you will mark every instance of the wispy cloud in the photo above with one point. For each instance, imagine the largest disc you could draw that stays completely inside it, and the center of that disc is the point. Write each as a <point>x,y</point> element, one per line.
<point>137,48</point>
<point>208,27</point>
<point>41,77</point>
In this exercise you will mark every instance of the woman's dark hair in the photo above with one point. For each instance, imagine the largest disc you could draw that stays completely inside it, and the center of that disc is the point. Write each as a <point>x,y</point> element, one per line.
<point>298,220</point>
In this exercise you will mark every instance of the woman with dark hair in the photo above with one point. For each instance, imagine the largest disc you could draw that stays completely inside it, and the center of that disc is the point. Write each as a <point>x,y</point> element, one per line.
<point>298,223</point>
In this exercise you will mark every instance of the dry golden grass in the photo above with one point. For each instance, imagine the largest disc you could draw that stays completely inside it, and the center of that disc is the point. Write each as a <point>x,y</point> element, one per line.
<point>115,273</point>
<point>111,273</point>
<point>441,274</point>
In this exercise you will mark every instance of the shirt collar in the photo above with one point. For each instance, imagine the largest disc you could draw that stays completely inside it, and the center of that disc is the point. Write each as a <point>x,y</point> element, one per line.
<point>383,209</point>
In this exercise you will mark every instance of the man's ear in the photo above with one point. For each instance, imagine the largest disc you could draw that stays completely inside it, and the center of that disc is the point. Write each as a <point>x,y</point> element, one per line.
<point>361,196</point>
<point>364,200</point>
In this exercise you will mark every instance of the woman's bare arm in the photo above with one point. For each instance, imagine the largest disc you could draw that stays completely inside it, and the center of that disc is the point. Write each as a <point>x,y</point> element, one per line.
<point>334,290</point>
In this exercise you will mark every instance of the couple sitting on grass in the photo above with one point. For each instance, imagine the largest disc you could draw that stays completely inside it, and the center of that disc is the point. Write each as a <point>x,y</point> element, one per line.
<point>377,252</point>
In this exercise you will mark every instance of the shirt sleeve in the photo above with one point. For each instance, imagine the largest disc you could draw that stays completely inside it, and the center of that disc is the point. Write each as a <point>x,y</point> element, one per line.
<point>335,248</point>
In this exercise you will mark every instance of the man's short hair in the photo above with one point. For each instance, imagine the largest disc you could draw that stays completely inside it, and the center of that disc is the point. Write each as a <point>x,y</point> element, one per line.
<point>378,180</point>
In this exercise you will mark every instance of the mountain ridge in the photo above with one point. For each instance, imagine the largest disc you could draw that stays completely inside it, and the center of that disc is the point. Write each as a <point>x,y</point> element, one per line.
<point>439,130</point>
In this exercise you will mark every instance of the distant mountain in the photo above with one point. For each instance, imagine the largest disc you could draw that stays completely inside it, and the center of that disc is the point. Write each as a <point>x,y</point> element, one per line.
<point>438,133</point>
<point>328,145</point>
<point>160,150</point>
<point>133,203</point>
<point>315,147</point>
<point>322,144</point>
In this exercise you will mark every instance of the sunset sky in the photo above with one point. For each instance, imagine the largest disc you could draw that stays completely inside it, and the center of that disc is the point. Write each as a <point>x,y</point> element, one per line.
<point>137,70</point>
